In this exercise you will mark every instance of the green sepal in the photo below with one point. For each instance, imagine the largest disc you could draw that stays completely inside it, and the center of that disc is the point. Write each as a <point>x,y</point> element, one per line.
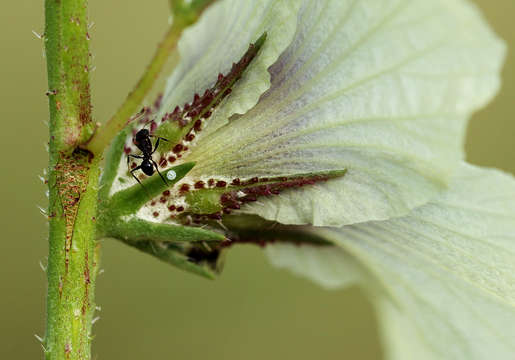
<point>139,230</point>
<point>209,201</point>
<point>205,201</point>
<point>128,201</point>
<point>177,254</point>
<point>112,161</point>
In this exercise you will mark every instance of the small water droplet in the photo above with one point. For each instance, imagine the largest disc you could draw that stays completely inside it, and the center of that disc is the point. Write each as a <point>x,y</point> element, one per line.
<point>171,175</point>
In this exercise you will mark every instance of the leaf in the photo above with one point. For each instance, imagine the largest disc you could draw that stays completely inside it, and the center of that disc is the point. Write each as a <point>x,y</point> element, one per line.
<point>220,37</point>
<point>443,277</point>
<point>380,88</point>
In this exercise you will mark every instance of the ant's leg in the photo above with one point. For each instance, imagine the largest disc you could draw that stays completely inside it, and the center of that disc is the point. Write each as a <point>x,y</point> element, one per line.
<point>133,156</point>
<point>157,142</point>
<point>136,156</point>
<point>155,146</point>
<point>159,172</point>
<point>134,176</point>
<point>159,137</point>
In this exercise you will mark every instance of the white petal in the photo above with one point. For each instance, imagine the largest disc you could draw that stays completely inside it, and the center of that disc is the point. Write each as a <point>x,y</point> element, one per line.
<point>221,37</point>
<point>381,88</point>
<point>444,276</point>
<point>328,266</point>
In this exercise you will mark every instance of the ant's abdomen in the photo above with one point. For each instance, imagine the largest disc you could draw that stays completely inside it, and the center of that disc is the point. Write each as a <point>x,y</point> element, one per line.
<point>147,167</point>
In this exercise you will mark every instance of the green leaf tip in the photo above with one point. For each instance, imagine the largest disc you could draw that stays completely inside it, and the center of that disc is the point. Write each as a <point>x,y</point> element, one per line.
<point>154,184</point>
<point>260,41</point>
<point>128,201</point>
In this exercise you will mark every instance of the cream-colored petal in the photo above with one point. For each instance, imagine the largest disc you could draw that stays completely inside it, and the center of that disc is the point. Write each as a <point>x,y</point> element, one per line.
<point>443,277</point>
<point>221,37</point>
<point>329,266</point>
<point>380,88</point>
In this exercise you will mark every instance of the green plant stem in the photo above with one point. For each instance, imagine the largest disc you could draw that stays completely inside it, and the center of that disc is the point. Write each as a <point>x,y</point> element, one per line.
<point>73,176</point>
<point>185,13</point>
<point>106,133</point>
<point>68,63</point>
<point>72,260</point>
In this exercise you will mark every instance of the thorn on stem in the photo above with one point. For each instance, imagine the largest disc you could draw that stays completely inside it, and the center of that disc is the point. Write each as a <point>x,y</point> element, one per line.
<point>38,35</point>
<point>43,267</point>
<point>42,211</point>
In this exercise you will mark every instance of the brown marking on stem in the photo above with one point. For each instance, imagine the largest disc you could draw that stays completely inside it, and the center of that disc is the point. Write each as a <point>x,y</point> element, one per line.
<point>87,281</point>
<point>71,181</point>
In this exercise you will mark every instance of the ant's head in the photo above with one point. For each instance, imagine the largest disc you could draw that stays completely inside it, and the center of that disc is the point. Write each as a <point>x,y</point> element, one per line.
<point>147,167</point>
<point>142,134</point>
<point>140,137</point>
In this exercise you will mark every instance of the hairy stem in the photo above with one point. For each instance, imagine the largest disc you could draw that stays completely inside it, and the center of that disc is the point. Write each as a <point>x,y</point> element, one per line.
<point>73,176</point>
<point>68,63</point>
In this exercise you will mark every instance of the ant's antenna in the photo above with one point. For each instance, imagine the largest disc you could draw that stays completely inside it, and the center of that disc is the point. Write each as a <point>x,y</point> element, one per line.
<point>151,128</point>
<point>141,115</point>
<point>138,116</point>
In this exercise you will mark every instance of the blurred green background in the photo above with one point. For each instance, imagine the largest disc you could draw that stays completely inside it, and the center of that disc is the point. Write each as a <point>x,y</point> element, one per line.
<point>149,309</point>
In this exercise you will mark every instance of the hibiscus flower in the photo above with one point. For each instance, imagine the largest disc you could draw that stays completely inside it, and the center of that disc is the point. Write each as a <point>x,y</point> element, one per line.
<point>336,141</point>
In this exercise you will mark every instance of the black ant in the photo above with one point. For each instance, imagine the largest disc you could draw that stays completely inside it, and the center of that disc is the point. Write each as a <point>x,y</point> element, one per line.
<point>142,141</point>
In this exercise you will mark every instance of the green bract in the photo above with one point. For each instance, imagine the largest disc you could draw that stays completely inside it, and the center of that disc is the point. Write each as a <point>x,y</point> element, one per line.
<point>353,114</point>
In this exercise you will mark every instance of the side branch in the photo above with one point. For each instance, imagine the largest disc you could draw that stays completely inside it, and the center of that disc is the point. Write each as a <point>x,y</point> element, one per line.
<point>106,133</point>
<point>185,13</point>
